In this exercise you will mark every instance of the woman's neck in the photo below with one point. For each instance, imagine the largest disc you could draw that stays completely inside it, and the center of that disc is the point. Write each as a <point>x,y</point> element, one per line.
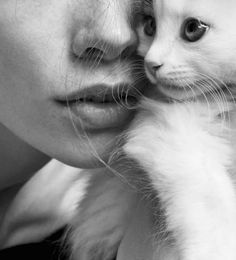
<point>18,160</point>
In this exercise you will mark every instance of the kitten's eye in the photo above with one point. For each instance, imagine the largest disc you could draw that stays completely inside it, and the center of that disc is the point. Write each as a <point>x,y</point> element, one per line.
<point>193,30</point>
<point>149,25</point>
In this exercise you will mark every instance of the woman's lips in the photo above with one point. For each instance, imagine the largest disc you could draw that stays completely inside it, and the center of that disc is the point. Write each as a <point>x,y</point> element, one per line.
<point>100,116</point>
<point>100,107</point>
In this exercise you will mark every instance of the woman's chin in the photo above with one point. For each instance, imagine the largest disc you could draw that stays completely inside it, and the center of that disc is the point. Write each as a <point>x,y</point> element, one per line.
<point>94,151</point>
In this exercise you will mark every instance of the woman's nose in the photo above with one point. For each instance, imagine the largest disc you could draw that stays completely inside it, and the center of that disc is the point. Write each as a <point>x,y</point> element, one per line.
<point>104,45</point>
<point>106,39</point>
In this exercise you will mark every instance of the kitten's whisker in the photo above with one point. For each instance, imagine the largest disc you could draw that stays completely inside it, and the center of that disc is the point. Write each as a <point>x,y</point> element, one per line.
<point>221,100</point>
<point>212,88</point>
<point>227,88</point>
<point>222,104</point>
<point>191,89</point>
<point>218,101</point>
<point>203,94</point>
<point>216,95</point>
<point>218,86</point>
<point>186,87</point>
<point>232,100</point>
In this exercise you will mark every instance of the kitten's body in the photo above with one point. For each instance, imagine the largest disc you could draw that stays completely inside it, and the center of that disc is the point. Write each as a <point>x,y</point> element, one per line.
<point>186,147</point>
<point>186,151</point>
<point>188,156</point>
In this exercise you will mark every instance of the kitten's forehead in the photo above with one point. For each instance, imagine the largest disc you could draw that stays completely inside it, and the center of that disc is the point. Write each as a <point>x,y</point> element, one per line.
<point>168,6</point>
<point>192,7</point>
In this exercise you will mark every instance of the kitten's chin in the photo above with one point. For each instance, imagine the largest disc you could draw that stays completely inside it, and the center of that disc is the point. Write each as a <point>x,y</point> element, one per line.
<point>180,93</point>
<point>168,90</point>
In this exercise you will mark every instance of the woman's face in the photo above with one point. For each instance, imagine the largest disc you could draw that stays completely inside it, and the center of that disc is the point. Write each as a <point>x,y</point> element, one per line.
<point>57,61</point>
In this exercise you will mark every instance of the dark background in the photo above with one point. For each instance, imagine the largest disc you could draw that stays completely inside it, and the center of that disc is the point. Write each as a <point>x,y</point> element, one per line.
<point>49,249</point>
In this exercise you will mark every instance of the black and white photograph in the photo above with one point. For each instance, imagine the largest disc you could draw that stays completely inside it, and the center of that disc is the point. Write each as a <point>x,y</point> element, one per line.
<point>118,129</point>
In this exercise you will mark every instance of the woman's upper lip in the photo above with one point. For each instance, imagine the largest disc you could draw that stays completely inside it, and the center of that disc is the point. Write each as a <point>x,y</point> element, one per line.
<point>100,106</point>
<point>98,94</point>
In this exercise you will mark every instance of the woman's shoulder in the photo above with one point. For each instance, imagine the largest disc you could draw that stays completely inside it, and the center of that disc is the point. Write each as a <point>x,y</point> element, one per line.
<point>44,204</point>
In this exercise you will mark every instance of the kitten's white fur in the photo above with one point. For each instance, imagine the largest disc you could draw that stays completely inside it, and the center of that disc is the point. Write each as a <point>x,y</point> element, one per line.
<point>102,217</point>
<point>185,148</point>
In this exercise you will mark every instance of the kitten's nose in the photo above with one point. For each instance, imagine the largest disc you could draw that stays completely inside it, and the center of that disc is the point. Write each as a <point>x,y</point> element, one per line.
<point>153,67</point>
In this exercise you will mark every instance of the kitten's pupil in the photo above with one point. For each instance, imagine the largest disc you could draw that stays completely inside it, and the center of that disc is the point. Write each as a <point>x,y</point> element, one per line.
<point>193,29</point>
<point>149,25</point>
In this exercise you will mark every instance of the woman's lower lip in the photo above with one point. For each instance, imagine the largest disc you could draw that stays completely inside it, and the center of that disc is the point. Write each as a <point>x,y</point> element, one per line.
<point>94,115</point>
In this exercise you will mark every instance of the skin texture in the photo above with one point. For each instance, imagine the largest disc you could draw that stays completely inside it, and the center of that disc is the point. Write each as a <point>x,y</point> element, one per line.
<point>43,51</point>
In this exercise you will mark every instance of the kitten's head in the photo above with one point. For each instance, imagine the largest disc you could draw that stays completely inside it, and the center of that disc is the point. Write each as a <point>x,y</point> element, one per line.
<point>191,49</point>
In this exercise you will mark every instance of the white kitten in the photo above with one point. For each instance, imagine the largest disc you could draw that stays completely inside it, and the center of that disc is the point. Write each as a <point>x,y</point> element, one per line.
<point>185,150</point>
<point>185,144</point>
